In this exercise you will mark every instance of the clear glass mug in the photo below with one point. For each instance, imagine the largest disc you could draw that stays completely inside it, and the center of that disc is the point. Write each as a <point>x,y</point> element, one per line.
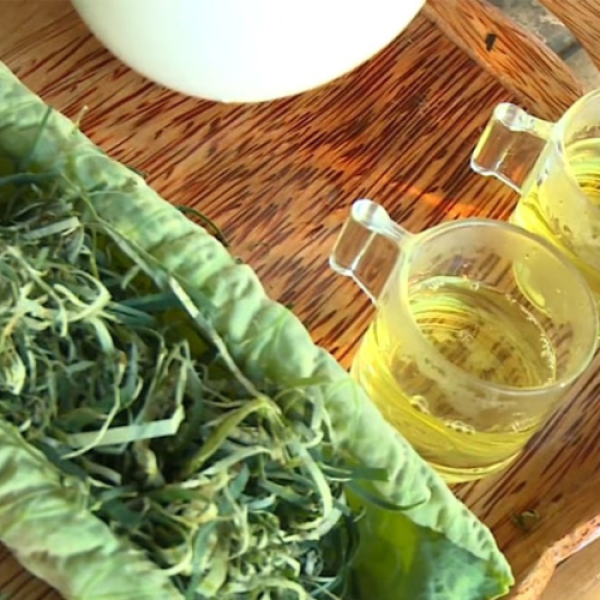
<point>480,330</point>
<point>556,169</point>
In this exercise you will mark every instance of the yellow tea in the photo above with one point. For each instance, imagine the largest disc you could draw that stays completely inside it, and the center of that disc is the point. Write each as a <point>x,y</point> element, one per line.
<point>481,328</point>
<point>484,333</point>
<point>549,208</point>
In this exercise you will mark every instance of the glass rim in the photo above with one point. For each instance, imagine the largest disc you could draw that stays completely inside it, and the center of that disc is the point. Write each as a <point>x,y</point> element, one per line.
<point>562,126</point>
<point>429,235</point>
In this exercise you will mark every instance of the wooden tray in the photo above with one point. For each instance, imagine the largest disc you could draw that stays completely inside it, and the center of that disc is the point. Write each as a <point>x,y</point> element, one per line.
<point>280,177</point>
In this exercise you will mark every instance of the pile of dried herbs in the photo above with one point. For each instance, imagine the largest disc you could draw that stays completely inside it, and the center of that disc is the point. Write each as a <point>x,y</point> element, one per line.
<point>229,488</point>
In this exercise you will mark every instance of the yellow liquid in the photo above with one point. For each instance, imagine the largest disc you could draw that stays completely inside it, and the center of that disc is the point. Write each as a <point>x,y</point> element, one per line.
<point>549,210</point>
<point>485,334</point>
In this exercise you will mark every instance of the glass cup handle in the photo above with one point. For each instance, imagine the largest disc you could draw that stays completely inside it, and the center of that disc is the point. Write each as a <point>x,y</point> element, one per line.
<point>368,247</point>
<point>511,145</point>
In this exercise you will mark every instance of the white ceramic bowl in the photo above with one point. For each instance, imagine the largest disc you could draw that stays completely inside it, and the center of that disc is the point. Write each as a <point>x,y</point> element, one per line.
<point>245,50</point>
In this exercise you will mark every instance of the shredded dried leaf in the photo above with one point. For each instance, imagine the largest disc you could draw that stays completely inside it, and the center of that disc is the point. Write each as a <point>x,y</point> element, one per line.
<point>125,386</point>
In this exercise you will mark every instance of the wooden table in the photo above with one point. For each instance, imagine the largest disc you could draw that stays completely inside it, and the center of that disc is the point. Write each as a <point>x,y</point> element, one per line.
<point>400,129</point>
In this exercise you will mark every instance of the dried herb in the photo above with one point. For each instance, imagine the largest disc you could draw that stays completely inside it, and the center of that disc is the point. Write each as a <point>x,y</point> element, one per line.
<point>125,386</point>
<point>527,521</point>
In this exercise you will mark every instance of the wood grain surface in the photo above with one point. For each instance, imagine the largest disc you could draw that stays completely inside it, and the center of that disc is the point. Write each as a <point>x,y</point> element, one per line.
<point>583,567</point>
<point>280,177</point>
<point>520,61</point>
<point>582,18</point>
